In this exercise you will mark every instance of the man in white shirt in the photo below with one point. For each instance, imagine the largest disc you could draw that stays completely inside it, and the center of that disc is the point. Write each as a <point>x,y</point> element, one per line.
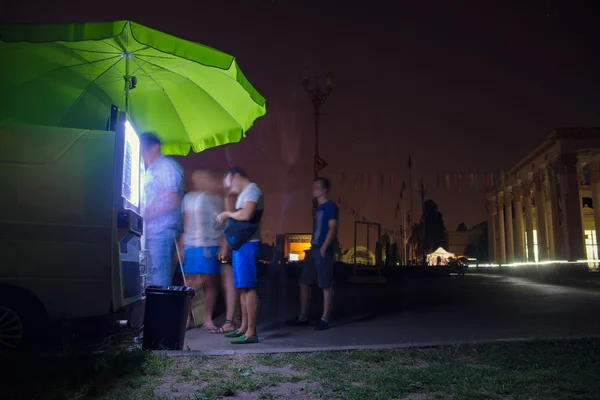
<point>249,207</point>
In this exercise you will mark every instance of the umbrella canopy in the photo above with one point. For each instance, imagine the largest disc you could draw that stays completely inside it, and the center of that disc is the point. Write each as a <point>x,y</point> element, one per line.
<point>191,95</point>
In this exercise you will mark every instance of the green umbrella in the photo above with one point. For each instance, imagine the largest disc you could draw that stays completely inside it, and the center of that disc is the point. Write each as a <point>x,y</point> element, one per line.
<point>191,95</point>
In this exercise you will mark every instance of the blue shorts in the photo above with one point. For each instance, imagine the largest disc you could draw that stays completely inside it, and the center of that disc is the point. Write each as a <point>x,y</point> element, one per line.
<point>245,265</point>
<point>197,262</point>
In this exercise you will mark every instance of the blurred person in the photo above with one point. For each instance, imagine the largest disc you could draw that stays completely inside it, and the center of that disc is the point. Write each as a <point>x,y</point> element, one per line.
<point>248,208</point>
<point>233,318</point>
<point>320,265</point>
<point>163,188</point>
<point>203,241</point>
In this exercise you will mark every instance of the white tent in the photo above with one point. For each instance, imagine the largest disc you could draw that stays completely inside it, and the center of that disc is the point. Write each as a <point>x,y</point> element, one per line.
<point>440,252</point>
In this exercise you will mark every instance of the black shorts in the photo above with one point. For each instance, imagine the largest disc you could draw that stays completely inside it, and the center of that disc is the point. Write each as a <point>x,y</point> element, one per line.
<point>318,268</point>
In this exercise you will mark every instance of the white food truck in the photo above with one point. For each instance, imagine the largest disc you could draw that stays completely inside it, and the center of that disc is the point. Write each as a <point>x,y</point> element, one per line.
<point>70,227</point>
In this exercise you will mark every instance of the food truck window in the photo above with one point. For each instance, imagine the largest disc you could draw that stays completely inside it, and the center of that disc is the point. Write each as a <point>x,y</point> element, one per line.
<point>131,166</point>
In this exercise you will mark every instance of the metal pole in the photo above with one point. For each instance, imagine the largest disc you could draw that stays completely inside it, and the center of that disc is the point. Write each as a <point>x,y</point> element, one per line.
<point>410,215</point>
<point>424,250</point>
<point>317,126</point>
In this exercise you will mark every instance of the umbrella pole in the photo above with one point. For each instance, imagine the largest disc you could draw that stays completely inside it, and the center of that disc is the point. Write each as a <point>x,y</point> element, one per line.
<point>127,78</point>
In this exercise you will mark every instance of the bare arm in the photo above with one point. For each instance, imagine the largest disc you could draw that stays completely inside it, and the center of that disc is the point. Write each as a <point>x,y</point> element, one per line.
<point>331,234</point>
<point>246,213</point>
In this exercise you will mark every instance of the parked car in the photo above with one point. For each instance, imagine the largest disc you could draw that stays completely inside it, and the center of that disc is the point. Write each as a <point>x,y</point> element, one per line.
<point>457,267</point>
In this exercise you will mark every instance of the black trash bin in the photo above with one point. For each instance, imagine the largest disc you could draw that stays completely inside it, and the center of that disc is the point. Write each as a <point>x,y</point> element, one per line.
<point>167,309</point>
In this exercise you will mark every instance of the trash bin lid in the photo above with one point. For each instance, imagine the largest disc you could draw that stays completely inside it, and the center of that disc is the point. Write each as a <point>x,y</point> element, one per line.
<point>184,290</point>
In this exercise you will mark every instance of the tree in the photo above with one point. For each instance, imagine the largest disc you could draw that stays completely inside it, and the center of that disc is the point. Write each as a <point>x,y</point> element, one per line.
<point>435,230</point>
<point>462,227</point>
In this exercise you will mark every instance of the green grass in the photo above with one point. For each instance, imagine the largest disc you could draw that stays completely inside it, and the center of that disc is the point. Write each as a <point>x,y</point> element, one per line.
<point>525,370</point>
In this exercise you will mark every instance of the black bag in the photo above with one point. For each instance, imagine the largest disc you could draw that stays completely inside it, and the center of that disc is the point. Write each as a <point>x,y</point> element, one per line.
<point>237,233</point>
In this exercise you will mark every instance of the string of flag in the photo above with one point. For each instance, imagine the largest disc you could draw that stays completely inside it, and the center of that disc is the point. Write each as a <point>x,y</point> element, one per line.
<point>392,183</point>
<point>347,206</point>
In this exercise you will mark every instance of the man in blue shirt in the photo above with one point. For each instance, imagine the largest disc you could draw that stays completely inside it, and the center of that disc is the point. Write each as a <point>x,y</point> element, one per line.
<point>320,265</point>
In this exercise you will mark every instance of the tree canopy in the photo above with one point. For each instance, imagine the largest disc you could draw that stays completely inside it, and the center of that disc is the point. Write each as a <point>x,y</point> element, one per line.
<point>435,230</point>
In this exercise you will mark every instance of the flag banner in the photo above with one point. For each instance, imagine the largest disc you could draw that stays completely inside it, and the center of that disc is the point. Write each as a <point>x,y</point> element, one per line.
<point>391,184</point>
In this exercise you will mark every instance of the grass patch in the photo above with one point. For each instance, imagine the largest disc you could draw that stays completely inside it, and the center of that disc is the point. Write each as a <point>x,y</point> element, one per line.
<point>527,370</point>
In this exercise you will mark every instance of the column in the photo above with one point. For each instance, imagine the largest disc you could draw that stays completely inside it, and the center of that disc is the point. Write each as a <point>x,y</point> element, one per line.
<point>519,229</point>
<point>572,227</point>
<point>540,208</point>
<point>528,220</point>
<point>595,178</point>
<point>549,220</point>
<point>491,209</point>
<point>501,234</point>
<point>510,240</point>
<point>555,219</point>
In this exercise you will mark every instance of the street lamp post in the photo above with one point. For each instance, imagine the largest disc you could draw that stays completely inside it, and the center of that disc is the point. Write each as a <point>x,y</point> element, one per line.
<point>317,97</point>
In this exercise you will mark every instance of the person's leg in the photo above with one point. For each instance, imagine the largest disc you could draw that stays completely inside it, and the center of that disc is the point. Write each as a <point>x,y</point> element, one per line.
<point>327,303</point>
<point>307,277</point>
<point>305,295</point>
<point>232,301</point>
<point>209,287</point>
<point>244,327</point>
<point>251,311</point>
<point>193,281</point>
<point>160,249</point>
<point>238,284</point>
<point>248,282</point>
<point>324,267</point>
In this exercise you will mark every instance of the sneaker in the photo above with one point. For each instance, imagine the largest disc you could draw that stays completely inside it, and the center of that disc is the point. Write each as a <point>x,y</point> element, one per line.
<point>322,325</point>
<point>296,322</point>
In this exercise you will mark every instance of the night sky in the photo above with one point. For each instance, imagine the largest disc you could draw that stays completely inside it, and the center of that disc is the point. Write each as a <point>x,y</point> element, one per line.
<point>463,86</point>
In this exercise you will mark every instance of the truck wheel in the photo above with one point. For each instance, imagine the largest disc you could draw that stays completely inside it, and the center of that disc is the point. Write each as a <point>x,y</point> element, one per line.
<point>18,319</point>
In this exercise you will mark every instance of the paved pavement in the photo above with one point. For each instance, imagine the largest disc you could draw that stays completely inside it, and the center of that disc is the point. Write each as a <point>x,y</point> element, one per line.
<point>473,308</point>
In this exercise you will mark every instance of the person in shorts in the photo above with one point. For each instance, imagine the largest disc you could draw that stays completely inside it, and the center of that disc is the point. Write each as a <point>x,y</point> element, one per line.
<point>203,241</point>
<point>320,265</point>
<point>163,189</point>
<point>248,205</point>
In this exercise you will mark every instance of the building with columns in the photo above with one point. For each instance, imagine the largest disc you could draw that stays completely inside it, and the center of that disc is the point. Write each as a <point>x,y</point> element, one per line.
<point>547,206</point>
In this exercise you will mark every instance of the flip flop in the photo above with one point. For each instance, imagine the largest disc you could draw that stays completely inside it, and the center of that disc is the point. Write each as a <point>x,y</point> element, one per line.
<point>245,340</point>
<point>222,331</point>
<point>234,334</point>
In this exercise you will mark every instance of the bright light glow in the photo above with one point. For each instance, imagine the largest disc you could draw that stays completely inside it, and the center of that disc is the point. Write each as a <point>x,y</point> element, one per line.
<point>294,257</point>
<point>591,248</point>
<point>535,246</point>
<point>131,166</point>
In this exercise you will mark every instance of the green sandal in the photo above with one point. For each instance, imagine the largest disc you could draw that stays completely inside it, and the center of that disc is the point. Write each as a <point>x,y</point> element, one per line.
<point>245,340</point>
<point>234,334</point>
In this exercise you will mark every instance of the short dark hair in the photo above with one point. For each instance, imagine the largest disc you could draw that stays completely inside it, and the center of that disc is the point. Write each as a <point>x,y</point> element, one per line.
<point>233,171</point>
<point>324,182</point>
<point>149,139</point>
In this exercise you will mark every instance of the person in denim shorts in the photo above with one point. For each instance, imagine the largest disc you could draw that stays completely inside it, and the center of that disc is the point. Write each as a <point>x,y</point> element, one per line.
<point>163,189</point>
<point>319,267</point>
